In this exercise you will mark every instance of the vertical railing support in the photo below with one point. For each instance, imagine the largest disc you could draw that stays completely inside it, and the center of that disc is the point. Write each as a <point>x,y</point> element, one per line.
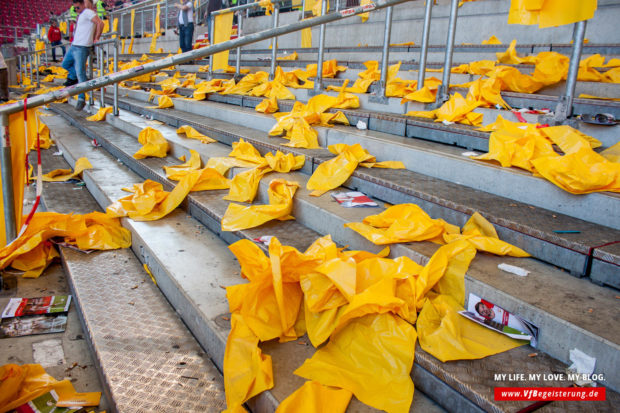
<point>387,34</point>
<point>443,90</point>
<point>91,98</point>
<point>211,34</point>
<point>36,63</point>
<point>115,103</point>
<point>166,18</point>
<point>424,47</point>
<point>142,22</point>
<point>122,24</point>
<point>10,227</point>
<point>274,42</point>
<point>318,80</point>
<point>153,21</point>
<point>238,57</point>
<point>101,73</point>
<point>21,70</point>
<point>564,109</point>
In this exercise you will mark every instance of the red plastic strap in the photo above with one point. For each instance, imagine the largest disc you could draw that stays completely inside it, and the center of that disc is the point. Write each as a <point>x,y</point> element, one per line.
<point>39,181</point>
<point>519,116</point>
<point>26,137</point>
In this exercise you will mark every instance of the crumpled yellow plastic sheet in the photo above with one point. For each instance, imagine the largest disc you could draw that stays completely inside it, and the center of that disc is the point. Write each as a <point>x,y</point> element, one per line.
<point>101,114</point>
<point>612,153</point>
<point>176,172</point>
<point>21,384</point>
<point>162,103</point>
<point>550,13</point>
<point>314,397</point>
<point>373,365</point>
<point>492,40</point>
<point>281,192</point>
<point>449,336</point>
<point>580,170</point>
<point>63,175</point>
<point>192,133</point>
<point>269,105</point>
<point>90,231</point>
<point>333,173</point>
<point>149,201</point>
<point>154,144</point>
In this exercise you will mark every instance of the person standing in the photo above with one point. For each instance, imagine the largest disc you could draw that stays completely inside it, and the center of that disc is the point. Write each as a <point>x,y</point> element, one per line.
<point>213,5</point>
<point>87,31</point>
<point>101,11</point>
<point>186,24</point>
<point>55,37</point>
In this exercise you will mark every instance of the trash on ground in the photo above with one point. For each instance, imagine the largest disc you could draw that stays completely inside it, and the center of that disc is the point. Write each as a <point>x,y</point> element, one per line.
<point>513,269</point>
<point>354,200</point>
<point>583,365</point>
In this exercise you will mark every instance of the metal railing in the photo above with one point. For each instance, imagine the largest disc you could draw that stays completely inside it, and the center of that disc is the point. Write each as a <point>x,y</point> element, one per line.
<point>116,77</point>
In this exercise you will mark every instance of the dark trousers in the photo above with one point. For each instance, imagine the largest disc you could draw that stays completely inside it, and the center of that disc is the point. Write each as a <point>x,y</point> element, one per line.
<point>57,43</point>
<point>186,35</point>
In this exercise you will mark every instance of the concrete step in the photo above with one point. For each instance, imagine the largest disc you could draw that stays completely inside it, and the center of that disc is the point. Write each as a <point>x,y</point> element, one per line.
<point>177,249</point>
<point>146,357</point>
<point>450,384</point>
<point>432,159</point>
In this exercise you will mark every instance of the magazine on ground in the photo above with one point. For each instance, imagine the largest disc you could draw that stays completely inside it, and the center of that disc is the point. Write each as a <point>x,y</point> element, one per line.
<point>354,200</point>
<point>32,325</point>
<point>18,307</point>
<point>46,403</point>
<point>496,318</point>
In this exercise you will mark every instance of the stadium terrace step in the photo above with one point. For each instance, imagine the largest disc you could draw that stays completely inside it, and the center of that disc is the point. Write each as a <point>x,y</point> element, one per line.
<point>178,250</point>
<point>145,356</point>
<point>457,386</point>
<point>530,229</point>
<point>432,159</point>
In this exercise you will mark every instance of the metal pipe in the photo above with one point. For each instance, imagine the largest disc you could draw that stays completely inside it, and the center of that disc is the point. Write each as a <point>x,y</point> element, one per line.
<point>244,7</point>
<point>386,50</point>
<point>115,102</point>
<point>91,99</point>
<point>36,62</point>
<point>424,47</point>
<point>442,92</point>
<point>10,227</point>
<point>274,43</point>
<point>238,57</point>
<point>211,34</point>
<point>318,80</point>
<point>142,23</point>
<point>303,10</point>
<point>21,70</point>
<point>564,108</point>
<point>181,58</point>
<point>122,24</point>
<point>153,21</point>
<point>101,73</point>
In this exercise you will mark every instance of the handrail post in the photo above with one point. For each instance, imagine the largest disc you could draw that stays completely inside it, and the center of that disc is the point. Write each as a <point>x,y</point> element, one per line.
<point>274,41</point>
<point>564,108</point>
<point>443,90</point>
<point>122,24</point>
<point>303,10</point>
<point>318,80</point>
<point>166,18</point>
<point>21,70</point>
<point>386,54</point>
<point>153,21</point>
<point>36,62</point>
<point>115,102</point>
<point>142,22</point>
<point>238,57</point>
<point>101,73</point>
<point>10,227</point>
<point>424,47</point>
<point>211,34</point>
<point>91,99</point>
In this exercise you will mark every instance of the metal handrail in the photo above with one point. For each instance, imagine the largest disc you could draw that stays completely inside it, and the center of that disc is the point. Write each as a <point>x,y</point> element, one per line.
<point>242,7</point>
<point>136,6</point>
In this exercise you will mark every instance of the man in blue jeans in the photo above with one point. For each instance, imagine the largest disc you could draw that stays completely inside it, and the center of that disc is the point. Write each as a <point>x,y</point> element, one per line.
<point>186,24</point>
<point>87,31</point>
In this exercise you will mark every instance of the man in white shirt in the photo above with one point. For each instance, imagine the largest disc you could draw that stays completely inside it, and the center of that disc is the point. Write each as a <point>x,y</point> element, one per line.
<point>87,31</point>
<point>186,24</point>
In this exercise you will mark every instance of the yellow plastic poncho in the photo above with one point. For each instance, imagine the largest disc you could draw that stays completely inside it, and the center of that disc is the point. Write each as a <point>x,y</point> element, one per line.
<point>63,175</point>
<point>550,13</point>
<point>101,114</point>
<point>154,144</point>
<point>192,133</point>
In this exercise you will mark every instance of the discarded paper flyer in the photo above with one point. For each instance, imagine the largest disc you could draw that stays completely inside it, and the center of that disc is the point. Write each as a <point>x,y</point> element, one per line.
<point>32,325</point>
<point>496,318</point>
<point>353,200</point>
<point>18,307</point>
<point>46,403</point>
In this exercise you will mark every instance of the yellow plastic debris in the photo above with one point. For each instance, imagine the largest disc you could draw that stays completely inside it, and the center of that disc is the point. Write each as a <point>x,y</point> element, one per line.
<point>281,192</point>
<point>89,231</point>
<point>612,153</point>
<point>162,103</point>
<point>21,384</point>
<point>192,133</point>
<point>176,172</point>
<point>247,371</point>
<point>63,175</point>
<point>492,40</point>
<point>449,336</point>
<point>333,173</point>
<point>510,56</point>
<point>154,144</point>
<point>373,365</point>
<point>316,398</point>
<point>101,114</point>
<point>269,105</point>
<point>550,13</point>
<point>292,56</point>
